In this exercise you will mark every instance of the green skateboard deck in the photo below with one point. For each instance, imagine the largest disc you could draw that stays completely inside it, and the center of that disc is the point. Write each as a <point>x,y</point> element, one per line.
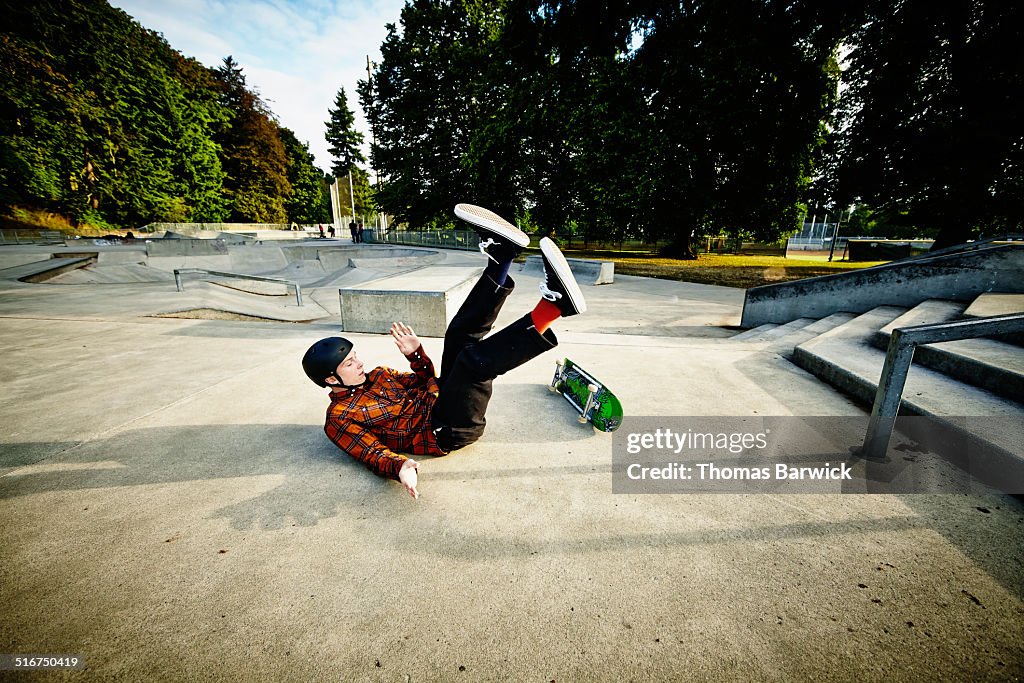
<point>591,398</point>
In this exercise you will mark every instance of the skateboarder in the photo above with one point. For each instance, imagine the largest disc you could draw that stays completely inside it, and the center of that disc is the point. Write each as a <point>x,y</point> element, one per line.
<point>377,415</point>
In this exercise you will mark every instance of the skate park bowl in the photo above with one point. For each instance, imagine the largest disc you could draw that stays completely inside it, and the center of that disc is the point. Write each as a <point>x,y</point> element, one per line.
<point>359,285</point>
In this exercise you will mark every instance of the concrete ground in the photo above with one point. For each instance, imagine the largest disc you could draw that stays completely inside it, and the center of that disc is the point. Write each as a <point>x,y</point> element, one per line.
<point>170,509</point>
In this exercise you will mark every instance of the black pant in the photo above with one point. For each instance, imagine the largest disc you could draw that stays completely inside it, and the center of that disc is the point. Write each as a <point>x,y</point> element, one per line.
<point>470,363</point>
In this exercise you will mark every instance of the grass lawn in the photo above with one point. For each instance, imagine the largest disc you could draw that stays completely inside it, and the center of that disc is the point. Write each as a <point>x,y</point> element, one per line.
<point>730,270</point>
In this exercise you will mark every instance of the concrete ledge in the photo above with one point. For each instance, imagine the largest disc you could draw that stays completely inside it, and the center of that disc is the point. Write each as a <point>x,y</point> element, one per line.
<point>960,277</point>
<point>41,271</point>
<point>586,271</point>
<point>426,300</point>
<point>186,247</point>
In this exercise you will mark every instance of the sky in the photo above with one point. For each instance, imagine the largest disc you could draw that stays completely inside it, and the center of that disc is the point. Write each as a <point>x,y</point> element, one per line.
<point>295,53</point>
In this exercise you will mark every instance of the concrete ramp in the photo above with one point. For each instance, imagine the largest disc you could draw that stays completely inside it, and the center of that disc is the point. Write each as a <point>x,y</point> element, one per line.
<point>46,269</point>
<point>257,259</point>
<point>113,274</point>
<point>303,272</point>
<point>170,263</point>
<point>351,277</point>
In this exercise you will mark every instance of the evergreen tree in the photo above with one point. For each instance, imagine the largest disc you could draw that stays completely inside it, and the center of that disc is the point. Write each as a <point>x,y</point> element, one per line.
<point>196,158</point>
<point>253,154</point>
<point>306,203</point>
<point>118,136</point>
<point>343,139</point>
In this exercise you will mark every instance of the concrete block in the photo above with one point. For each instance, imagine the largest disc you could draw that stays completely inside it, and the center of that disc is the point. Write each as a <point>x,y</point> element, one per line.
<point>426,300</point>
<point>586,271</point>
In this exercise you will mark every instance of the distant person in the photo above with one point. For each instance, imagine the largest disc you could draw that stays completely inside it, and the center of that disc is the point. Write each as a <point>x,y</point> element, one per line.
<point>321,231</point>
<point>352,229</point>
<point>359,233</point>
<point>130,236</point>
<point>330,230</point>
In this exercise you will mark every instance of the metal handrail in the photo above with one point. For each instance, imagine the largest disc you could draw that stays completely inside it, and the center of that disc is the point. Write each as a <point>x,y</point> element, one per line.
<point>188,271</point>
<point>899,356</point>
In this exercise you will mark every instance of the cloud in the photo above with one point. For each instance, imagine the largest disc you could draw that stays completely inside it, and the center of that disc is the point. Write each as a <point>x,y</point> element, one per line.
<point>295,53</point>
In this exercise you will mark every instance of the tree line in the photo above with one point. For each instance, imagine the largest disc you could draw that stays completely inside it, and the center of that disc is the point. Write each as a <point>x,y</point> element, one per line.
<point>656,120</point>
<point>102,121</point>
<point>671,120</point>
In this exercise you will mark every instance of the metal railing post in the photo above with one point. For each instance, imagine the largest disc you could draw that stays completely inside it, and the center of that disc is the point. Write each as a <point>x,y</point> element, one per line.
<point>899,356</point>
<point>888,396</point>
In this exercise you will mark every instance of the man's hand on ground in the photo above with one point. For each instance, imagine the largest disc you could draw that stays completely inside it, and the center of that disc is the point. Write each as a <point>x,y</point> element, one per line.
<point>408,475</point>
<point>405,338</point>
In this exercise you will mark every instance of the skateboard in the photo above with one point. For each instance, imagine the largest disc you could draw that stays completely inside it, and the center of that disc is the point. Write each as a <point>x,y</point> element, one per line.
<point>591,399</point>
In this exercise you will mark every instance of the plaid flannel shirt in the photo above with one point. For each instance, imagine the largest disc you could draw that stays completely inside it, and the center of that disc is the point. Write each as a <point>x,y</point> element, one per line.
<point>387,414</point>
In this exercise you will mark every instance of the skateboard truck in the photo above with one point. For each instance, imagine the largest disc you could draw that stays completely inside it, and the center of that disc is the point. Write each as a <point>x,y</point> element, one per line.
<point>592,390</point>
<point>591,393</point>
<point>559,375</point>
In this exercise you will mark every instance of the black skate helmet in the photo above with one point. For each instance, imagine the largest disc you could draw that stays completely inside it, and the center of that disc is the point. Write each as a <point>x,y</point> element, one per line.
<point>324,357</point>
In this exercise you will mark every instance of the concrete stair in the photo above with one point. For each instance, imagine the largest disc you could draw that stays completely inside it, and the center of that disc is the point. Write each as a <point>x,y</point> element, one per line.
<point>970,377</point>
<point>847,358</point>
<point>782,339</point>
<point>991,364</point>
<point>998,303</point>
<point>770,331</point>
<point>947,381</point>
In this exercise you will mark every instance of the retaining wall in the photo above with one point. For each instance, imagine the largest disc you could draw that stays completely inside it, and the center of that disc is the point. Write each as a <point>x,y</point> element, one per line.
<point>959,277</point>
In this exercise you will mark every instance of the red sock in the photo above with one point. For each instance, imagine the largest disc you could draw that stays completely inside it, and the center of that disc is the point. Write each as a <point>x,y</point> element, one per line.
<point>545,313</point>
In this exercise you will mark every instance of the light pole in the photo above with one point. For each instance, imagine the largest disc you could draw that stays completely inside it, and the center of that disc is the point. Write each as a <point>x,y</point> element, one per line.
<point>336,205</point>
<point>351,195</point>
<point>369,80</point>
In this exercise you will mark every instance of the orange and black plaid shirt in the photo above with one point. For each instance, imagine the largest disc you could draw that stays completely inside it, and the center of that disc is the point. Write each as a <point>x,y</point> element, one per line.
<point>386,415</point>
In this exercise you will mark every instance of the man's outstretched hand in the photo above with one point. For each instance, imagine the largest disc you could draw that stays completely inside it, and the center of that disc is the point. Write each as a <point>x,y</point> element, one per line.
<point>405,338</point>
<point>408,475</point>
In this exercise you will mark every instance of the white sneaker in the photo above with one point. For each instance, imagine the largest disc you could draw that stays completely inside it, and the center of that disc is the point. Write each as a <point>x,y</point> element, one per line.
<point>491,226</point>
<point>559,284</point>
